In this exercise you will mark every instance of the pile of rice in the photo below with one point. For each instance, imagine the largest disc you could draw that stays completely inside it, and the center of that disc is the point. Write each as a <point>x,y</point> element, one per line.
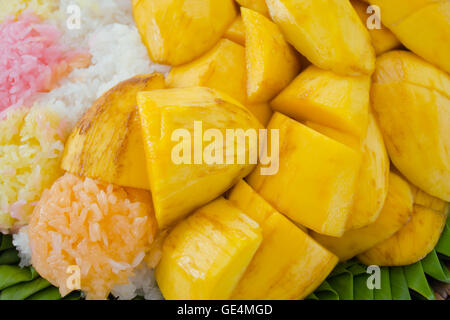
<point>12,8</point>
<point>31,146</point>
<point>103,229</point>
<point>31,59</point>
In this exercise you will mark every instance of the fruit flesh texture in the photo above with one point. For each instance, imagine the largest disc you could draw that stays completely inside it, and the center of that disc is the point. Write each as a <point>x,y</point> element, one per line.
<point>414,240</point>
<point>411,100</point>
<point>205,255</point>
<point>178,189</point>
<point>106,143</point>
<point>422,26</point>
<point>256,5</point>
<point>236,32</point>
<point>328,32</point>
<point>321,96</point>
<point>383,39</point>
<point>178,31</point>
<point>315,183</point>
<point>396,212</point>
<point>271,62</point>
<point>301,264</point>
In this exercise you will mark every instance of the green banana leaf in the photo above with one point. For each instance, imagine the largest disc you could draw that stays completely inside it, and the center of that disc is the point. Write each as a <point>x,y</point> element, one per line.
<point>348,281</point>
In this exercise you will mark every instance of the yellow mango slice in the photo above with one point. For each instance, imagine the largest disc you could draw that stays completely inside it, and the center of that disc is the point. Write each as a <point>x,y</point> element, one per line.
<point>382,39</point>
<point>106,143</point>
<point>411,100</point>
<point>256,5</point>
<point>205,255</point>
<point>183,175</point>
<point>396,212</point>
<point>373,179</point>
<point>222,68</point>
<point>321,96</point>
<point>422,26</point>
<point>236,32</point>
<point>178,31</point>
<point>301,264</point>
<point>327,32</point>
<point>262,111</point>
<point>316,180</point>
<point>414,240</point>
<point>271,62</point>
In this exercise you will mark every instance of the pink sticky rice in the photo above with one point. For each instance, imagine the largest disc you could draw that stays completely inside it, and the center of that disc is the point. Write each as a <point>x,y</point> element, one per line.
<point>31,59</point>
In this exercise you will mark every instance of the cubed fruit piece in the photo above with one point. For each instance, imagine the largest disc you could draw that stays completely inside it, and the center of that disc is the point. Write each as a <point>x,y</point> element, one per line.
<point>256,5</point>
<point>340,102</point>
<point>262,111</point>
<point>396,212</point>
<point>382,39</point>
<point>222,68</point>
<point>271,62</point>
<point>315,183</point>
<point>414,240</point>
<point>106,143</point>
<point>422,26</point>
<point>301,264</point>
<point>236,32</point>
<point>186,167</point>
<point>328,32</point>
<point>411,99</point>
<point>205,255</point>
<point>178,31</point>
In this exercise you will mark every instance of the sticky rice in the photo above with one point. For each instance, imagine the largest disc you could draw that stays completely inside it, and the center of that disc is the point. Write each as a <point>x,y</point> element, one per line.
<point>13,8</point>
<point>31,146</point>
<point>103,229</point>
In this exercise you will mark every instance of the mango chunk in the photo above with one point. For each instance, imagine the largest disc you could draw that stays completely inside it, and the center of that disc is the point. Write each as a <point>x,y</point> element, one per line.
<point>205,255</point>
<point>327,32</point>
<point>178,31</point>
<point>396,212</point>
<point>222,68</point>
<point>316,180</point>
<point>414,240</point>
<point>373,179</point>
<point>411,100</point>
<point>183,175</point>
<point>422,26</point>
<point>271,62</point>
<point>256,5</point>
<point>383,39</point>
<point>236,32</point>
<point>262,111</point>
<point>321,96</point>
<point>300,265</point>
<point>106,143</point>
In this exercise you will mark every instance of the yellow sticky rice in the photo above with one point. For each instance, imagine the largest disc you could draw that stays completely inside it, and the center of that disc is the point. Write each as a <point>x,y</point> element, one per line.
<point>31,145</point>
<point>12,8</point>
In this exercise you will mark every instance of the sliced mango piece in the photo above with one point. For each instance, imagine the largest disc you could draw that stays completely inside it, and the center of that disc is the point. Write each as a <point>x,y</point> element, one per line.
<point>316,180</point>
<point>422,26</point>
<point>373,179</point>
<point>301,264</point>
<point>271,62</point>
<point>183,175</point>
<point>414,240</point>
<point>256,5</point>
<point>382,39</point>
<point>327,32</point>
<point>321,96</point>
<point>411,99</point>
<point>205,255</point>
<point>262,111</point>
<point>396,212</point>
<point>222,68</point>
<point>178,31</point>
<point>236,32</point>
<point>106,143</point>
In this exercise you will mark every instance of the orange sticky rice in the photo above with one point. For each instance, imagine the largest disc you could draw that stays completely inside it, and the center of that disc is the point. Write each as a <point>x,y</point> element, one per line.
<point>103,229</point>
